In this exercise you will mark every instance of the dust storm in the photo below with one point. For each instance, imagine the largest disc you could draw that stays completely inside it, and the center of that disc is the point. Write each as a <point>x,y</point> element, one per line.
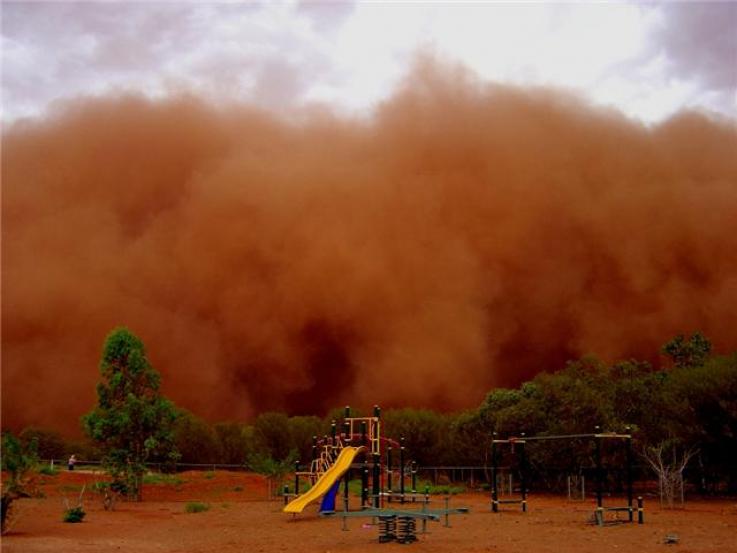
<point>462,236</point>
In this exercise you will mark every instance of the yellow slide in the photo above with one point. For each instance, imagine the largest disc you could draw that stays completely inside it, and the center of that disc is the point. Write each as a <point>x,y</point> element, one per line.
<point>323,485</point>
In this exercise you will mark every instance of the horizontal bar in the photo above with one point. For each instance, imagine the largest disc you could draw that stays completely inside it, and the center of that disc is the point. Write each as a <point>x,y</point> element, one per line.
<point>382,513</point>
<point>456,511</point>
<point>560,437</point>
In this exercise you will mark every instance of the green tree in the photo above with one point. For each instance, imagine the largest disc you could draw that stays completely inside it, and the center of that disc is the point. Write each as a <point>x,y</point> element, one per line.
<point>302,429</point>
<point>470,440</point>
<point>275,470</point>
<point>132,422</point>
<point>701,405</point>
<point>691,353</point>
<point>196,441</point>
<point>50,444</point>
<point>235,439</point>
<point>272,436</point>
<point>17,460</point>
<point>272,453</point>
<point>424,433</point>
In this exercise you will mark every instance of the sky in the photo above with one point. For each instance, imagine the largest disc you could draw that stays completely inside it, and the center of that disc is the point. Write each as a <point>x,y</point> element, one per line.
<point>647,60</point>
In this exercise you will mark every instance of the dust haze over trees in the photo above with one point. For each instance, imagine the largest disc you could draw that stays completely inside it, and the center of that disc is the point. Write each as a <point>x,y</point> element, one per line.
<point>462,237</point>
<point>688,407</point>
<point>686,412</point>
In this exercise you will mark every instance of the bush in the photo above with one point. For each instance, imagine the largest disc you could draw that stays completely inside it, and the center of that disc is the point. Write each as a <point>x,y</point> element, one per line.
<point>158,478</point>
<point>74,514</point>
<point>17,460</point>
<point>50,444</point>
<point>196,507</point>
<point>48,470</point>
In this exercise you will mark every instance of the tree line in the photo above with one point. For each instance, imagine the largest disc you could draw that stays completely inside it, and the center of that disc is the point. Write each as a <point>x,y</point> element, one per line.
<point>685,411</point>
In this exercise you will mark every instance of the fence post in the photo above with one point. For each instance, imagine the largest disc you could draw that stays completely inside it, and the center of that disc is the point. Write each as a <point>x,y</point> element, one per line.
<point>296,478</point>
<point>494,475</point>
<point>523,468</point>
<point>629,471</point>
<point>597,455</point>
<point>401,469</point>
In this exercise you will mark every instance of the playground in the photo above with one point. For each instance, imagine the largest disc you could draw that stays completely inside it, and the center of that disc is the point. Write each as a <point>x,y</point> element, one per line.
<point>240,518</point>
<point>238,511</point>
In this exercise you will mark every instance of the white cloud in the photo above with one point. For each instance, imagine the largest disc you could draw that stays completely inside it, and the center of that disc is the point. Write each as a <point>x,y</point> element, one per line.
<point>645,60</point>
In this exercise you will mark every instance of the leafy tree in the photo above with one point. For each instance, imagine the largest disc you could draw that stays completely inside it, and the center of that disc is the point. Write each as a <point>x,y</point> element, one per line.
<point>272,435</point>
<point>496,400</point>
<point>235,439</point>
<point>195,440</point>
<point>302,428</point>
<point>637,391</point>
<point>132,422</point>
<point>470,440</point>
<point>691,353</point>
<point>50,444</point>
<point>275,470</point>
<point>17,460</point>
<point>701,405</point>
<point>424,433</point>
<point>272,451</point>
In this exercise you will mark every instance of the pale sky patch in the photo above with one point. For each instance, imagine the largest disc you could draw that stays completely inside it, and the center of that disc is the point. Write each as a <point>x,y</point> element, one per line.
<point>647,60</point>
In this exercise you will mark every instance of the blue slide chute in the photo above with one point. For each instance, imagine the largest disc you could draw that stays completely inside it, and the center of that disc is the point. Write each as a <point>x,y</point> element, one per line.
<point>328,501</point>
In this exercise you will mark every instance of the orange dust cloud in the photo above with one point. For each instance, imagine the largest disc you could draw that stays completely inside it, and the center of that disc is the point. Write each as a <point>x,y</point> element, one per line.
<point>463,236</point>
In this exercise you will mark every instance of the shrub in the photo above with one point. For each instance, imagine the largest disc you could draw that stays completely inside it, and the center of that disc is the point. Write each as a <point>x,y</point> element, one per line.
<point>48,470</point>
<point>196,507</point>
<point>158,478</point>
<point>17,460</point>
<point>74,514</point>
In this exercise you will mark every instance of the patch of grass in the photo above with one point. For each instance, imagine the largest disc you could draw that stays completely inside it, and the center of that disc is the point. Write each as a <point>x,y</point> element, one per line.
<point>158,478</point>
<point>74,514</point>
<point>439,489</point>
<point>209,474</point>
<point>304,486</point>
<point>48,470</point>
<point>237,488</point>
<point>447,489</point>
<point>354,487</point>
<point>196,507</point>
<point>71,487</point>
<point>225,505</point>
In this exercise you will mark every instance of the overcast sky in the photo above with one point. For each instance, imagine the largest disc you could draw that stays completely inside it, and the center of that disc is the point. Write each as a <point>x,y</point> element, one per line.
<point>646,59</point>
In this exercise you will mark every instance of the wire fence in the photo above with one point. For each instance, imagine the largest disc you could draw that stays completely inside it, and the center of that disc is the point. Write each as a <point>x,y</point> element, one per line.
<point>554,479</point>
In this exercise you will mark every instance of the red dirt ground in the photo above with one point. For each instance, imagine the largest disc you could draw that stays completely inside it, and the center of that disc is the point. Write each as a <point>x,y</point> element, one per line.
<point>241,519</point>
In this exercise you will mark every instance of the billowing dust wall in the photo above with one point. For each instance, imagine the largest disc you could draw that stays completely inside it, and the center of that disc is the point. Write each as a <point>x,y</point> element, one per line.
<point>463,236</point>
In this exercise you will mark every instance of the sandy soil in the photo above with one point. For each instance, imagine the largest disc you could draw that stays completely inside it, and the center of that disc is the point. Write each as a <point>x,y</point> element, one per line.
<point>241,519</point>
